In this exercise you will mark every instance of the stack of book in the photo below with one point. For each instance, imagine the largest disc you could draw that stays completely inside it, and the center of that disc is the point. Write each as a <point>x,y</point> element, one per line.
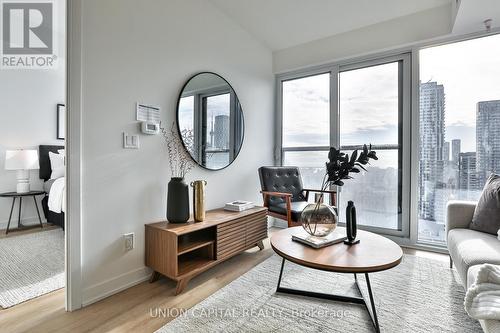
<point>318,242</point>
<point>238,205</point>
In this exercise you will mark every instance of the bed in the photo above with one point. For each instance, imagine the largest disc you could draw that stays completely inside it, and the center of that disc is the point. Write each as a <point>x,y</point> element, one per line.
<point>45,173</point>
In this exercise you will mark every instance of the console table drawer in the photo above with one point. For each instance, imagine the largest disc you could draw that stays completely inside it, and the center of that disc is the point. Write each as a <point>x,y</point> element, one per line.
<point>256,231</point>
<point>231,237</point>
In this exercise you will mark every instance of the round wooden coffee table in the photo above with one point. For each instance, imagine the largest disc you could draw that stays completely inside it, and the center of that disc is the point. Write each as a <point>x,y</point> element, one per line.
<point>374,253</point>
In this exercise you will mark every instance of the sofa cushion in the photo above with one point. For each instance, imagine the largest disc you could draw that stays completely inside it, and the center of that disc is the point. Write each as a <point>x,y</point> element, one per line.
<point>469,247</point>
<point>487,214</point>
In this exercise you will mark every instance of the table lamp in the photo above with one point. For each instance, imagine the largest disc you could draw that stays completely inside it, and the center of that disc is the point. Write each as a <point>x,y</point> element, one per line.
<point>22,161</point>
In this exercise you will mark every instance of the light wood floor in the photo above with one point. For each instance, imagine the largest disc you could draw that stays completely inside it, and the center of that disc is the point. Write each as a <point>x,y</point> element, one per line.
<point>129,311</point>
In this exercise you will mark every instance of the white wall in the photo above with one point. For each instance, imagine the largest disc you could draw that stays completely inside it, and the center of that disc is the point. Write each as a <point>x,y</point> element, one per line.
<point>387,35</point>
<point>134,51</point>
<point>28,118</point>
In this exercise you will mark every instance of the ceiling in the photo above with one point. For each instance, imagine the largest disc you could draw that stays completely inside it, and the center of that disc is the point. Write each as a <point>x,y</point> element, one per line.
<point>472,13</point>
<point>280,24</point>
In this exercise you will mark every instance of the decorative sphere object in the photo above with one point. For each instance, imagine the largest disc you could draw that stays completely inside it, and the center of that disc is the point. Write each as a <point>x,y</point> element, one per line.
<point>318,219</point>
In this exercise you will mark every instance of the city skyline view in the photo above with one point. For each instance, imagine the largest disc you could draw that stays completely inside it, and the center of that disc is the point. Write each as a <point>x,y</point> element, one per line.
<point>217,137</point>
<point>469,72</point>
<point>307,100</point>
<point>459,124</point>
<point>454,80</point>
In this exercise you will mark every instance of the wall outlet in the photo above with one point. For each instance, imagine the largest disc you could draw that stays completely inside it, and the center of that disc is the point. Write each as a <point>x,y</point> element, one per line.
<point>129,240</point>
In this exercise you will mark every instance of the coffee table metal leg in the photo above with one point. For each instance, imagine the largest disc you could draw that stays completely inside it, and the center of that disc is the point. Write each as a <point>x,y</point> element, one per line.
<point>10,215</point>
<point>281,274</point>
<point>341,298</point>
<point>38,212</point>
<point>371,309</point>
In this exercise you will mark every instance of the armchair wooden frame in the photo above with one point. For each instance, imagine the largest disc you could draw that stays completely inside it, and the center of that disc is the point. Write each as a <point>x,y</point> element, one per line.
<point>288,199</point>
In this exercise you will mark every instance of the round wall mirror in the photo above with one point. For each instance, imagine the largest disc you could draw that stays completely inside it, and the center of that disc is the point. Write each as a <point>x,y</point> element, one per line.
<point>210,121</point>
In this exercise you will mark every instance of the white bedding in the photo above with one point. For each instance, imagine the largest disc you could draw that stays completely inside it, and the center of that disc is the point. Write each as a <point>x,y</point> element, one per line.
<point>57,196</point>
<point>482,300</point>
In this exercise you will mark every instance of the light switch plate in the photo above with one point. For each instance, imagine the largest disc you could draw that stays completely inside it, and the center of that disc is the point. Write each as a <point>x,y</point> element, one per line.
<point>130,141</point>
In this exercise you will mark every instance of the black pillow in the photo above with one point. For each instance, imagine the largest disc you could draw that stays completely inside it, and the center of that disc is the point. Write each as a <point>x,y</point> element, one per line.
<point>487,214</point>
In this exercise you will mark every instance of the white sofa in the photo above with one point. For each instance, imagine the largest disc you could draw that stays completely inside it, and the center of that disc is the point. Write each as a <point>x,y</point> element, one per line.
<point>469,249</point>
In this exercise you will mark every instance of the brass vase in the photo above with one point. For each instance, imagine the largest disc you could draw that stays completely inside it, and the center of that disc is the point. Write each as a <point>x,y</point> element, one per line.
<point>199,200</point>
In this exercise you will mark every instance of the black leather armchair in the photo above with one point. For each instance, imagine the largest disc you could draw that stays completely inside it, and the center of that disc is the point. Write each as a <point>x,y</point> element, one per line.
<point>284,195</point>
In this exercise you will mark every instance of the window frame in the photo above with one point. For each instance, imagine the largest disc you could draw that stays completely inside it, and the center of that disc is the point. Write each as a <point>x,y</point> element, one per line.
<point>199,112</point>
<point>335,69</point>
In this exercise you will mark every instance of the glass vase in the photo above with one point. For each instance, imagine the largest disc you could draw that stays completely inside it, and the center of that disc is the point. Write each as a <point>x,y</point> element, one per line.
<point>319,219</point>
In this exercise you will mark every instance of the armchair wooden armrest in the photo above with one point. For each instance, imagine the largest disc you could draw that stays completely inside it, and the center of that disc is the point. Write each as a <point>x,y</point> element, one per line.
<point>276,194</point>
<point>319,191</point>
<point>288,200</point>
<point>333,194</point>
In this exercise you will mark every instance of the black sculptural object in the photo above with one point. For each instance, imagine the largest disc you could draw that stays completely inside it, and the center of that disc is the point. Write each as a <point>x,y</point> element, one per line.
<point>351,226</point>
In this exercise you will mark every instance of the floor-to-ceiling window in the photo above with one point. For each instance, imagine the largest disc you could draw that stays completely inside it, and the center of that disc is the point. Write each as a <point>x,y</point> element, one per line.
<point>459,127</point>
<point>348,106</point>
<point>371,112</point>
<point>456,131</point>
<point>306,125</point>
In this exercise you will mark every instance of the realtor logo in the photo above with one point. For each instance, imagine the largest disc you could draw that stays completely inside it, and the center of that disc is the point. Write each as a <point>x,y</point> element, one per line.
<point>27,34</point>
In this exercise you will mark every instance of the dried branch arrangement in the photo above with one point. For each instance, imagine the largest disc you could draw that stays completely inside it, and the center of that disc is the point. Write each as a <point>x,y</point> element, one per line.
<point>178,157</point>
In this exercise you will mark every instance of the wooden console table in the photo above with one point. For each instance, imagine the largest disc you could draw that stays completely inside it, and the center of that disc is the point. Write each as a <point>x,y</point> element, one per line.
<point>181,251</point>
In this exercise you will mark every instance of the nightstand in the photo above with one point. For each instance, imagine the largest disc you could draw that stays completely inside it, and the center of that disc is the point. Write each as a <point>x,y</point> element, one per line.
<point>14,196</point>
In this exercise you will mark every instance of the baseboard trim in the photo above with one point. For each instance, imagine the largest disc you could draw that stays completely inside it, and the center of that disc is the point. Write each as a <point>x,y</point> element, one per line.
<point>109,287</point>
<point>28,221</point>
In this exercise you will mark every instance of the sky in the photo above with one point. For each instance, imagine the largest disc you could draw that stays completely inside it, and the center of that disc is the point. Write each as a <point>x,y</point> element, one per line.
<point>216,105</point>
<point>186,113</point>
<point>469,71</point>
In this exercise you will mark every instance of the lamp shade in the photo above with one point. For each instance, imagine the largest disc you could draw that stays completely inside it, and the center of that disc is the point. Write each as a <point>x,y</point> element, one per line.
<point>21,160</point>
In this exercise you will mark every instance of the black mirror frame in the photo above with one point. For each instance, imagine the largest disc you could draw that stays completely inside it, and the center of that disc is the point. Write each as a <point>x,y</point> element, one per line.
<point>179,129</point>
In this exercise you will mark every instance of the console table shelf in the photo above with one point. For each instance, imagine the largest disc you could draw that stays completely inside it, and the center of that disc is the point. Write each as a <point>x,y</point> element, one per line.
<point>182,251</point>
<point>187,267</point>
<point>188,247</point>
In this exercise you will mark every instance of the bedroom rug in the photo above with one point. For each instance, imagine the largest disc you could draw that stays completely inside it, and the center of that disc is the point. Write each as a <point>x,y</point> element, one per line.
<point>31,265</point>
<point>419,295</point>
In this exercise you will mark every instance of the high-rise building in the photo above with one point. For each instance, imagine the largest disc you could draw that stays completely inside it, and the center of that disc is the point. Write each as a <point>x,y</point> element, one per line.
<point>468,172</point>
<point>455,150</point>
<point>455,160</point>
<point>432,131</point>
<point>487,139</point>
<point>446,151</point>
<point>221,132</point>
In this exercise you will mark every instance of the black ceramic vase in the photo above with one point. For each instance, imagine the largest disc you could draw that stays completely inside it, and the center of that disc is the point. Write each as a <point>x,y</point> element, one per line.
<point>350,225</point>
<point>177,201</point>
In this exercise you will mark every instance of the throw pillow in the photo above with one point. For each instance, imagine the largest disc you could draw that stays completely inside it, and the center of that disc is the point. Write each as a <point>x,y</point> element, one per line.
<point>57,165</point>
<point>487,214</point>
